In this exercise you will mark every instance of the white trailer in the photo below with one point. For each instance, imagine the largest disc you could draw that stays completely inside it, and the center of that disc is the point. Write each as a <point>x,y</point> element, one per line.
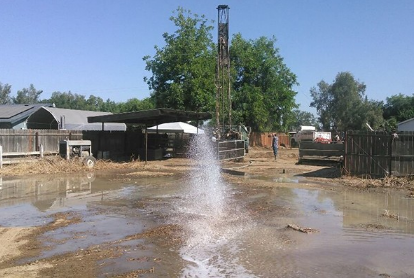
<point>309,134</point>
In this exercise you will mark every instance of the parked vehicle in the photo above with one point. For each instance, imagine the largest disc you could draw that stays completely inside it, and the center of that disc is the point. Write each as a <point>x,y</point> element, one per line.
<point>309,133</point>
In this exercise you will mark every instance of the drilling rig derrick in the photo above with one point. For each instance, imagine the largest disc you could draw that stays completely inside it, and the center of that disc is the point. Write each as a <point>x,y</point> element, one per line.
<point>223,84</point>
<point>235,138</point>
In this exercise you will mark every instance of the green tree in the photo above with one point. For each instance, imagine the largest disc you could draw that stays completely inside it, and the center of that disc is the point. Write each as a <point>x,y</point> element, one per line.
<point>28,96</point>
<point>302,118</point>
<point>263,97</point>
<point>343,106</point>
<point>110,106</point>
<point>183,70</point>
<point>5,90</point>
<point>322,100</point>
<point>135,104</point>
<point>400,107</point>
<point>68,100</point>
<point>390,124</point>
<point>370,111</point>
<point>94,103</point>
<point>184,75</point>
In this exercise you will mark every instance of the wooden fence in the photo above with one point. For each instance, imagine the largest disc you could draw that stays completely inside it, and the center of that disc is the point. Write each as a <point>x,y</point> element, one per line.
<point>264,139</point>
<point>29,140</point>
<point>379,154</point>
<point>372,154</point>
<point>115,145</point>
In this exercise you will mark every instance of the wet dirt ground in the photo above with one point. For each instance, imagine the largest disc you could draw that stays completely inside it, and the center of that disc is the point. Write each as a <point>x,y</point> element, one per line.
<point>268,219</point>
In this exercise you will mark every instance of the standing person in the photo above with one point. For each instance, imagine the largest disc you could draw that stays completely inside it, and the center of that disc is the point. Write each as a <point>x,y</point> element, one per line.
<point>275,144</point>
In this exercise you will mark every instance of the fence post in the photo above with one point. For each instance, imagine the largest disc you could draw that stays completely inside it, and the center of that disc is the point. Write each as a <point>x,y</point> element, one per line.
<point>390,142</point>
<point>41,150</point>
<point>1,156</point>
<point>36,141</point>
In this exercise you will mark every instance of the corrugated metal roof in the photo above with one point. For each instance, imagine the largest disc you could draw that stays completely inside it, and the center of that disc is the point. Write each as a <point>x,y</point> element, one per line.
<point>152,117</point>
<point>13,114</point>
<point>73,116</point>
<point>8,111</point>
<point>59,118</point>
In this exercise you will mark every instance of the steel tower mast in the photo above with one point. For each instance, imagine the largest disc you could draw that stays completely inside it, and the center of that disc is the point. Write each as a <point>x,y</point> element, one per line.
<point>223,96</point>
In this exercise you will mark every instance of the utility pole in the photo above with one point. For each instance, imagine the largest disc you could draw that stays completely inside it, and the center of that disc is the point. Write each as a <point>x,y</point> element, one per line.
<point>223,84</point>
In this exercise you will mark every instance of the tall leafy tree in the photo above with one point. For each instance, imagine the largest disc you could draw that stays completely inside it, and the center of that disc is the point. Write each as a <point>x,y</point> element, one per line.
<point>184,75</point>
<point>110,106</point>
<point>5,90</point>
<point>263,94</point>
<point>343,105</point>
<point>94,103</point>
<point>302,118</point>
<point>28,95</point>
<point>135,104</point>
<point>372,114</point>
<point>183,70</point>
<point>400,107</point>
<point>68,100</point>
<point>322,101</point>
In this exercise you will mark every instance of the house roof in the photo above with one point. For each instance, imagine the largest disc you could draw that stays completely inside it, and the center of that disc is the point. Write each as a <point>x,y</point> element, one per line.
<point>13,114</point>
<point>152,117</point>
<point>59,118</point>
<point>406,121</point>
<point>407,125</point>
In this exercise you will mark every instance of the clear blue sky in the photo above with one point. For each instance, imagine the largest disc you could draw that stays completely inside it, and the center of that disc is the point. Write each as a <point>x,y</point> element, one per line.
<point>96,47</point>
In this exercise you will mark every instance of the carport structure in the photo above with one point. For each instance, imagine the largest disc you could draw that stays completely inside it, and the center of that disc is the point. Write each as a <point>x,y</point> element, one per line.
<point>150,118</point>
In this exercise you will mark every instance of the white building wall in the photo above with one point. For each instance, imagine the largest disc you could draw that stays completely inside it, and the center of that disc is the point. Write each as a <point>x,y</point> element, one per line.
<point>407,125</point>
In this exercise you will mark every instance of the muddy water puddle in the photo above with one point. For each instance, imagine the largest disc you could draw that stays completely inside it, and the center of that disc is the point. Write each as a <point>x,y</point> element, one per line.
<point>235,231</point>
<point>358,234</point>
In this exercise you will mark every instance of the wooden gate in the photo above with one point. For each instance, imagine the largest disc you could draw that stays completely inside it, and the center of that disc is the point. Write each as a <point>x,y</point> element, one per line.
<point>379,154</point>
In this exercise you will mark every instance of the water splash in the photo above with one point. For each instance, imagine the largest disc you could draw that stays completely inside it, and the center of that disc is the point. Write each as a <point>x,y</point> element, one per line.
<point>211,218</point>
<point>207,189</point>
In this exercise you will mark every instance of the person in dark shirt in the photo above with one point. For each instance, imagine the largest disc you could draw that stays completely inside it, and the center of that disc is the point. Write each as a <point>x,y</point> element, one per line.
<point>275,144</point>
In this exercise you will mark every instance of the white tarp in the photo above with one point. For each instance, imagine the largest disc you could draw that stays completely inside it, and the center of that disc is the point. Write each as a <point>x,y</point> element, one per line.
<point>176,127</point>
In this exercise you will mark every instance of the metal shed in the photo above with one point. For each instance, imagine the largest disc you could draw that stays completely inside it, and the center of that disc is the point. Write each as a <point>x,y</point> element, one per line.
<point>150,118</point>
<point>69,119</point>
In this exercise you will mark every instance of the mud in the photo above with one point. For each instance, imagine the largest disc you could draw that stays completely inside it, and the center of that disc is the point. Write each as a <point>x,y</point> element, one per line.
<point>127,222</point>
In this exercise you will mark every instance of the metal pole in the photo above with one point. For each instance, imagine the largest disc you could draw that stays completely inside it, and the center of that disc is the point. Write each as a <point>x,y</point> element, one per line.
<point>218,83</point>
<point>146,145</point>
<point>228,68</point>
